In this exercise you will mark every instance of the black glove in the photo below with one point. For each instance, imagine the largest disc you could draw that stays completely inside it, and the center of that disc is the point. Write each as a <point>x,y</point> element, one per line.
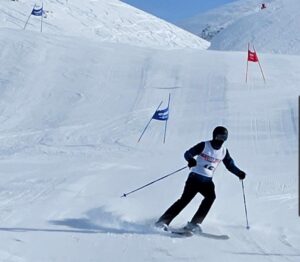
<point>241,175</point>
<point>192,162</point>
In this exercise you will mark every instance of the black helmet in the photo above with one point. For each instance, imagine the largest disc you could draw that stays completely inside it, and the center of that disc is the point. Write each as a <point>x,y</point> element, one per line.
<point>220,133</point>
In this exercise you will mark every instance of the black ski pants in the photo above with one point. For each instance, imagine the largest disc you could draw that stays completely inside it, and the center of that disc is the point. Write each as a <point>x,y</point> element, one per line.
<point>194,184</point>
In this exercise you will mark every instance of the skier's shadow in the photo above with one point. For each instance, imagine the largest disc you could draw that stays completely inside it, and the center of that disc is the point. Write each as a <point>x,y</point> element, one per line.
<point>101,221</point>
<point>96,221</point>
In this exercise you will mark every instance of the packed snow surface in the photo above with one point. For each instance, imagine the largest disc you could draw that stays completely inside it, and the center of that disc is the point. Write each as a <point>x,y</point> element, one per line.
<point>71,113</point>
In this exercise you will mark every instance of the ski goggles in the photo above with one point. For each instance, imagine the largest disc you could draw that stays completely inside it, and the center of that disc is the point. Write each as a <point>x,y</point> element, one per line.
<point>221,137</point>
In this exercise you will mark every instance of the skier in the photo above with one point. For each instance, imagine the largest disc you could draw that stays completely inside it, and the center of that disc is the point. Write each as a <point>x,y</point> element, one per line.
<point>263,6</point>
<point>209,155</point>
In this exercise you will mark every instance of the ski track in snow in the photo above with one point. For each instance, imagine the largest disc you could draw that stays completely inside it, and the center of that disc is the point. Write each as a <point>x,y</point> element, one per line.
<point>36,191</point>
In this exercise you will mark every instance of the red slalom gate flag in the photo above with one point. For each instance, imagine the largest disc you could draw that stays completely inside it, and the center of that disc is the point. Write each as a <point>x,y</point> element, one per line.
<point>252,56</point>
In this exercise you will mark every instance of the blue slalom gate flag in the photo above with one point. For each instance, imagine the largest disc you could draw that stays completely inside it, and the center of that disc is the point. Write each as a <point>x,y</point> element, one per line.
<point>37,12</point>
<point>162,115</point>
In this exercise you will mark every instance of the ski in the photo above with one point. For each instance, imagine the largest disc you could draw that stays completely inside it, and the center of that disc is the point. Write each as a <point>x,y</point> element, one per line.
<point>183,232</point>
<point>186,233</point>
<point>213,236</point>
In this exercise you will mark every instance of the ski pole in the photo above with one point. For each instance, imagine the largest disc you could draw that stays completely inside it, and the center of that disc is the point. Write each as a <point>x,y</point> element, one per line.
<point>246,213</point>
<point>126,194</point>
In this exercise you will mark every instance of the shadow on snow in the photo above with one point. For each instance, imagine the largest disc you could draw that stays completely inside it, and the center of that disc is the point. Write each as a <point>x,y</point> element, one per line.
<point>96,221</point>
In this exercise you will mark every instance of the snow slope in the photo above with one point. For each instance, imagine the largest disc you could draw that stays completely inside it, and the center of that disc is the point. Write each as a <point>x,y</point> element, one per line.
<point>72,110</point>
<point>106,20</point>
<point>230,27</point>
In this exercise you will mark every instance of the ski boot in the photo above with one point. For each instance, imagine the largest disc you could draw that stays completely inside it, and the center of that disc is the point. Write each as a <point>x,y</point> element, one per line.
<point>161,225</point>
<point>193,227</point>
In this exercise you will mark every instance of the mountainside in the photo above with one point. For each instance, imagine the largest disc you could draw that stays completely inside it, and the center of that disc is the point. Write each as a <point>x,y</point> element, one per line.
<point>274,29</point>
<point>72,110</point>
<point>106,20</point>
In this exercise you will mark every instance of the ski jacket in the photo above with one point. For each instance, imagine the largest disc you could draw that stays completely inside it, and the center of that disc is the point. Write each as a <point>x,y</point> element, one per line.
<point>209,158</point>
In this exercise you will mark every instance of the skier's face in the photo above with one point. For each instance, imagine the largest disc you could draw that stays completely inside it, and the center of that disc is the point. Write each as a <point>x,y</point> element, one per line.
<point>216,144</point>
<point>221,137</point>
<point>218,140</point>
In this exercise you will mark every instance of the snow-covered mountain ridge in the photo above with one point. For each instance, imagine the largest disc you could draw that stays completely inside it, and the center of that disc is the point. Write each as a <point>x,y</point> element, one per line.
<point>105,20</point>
<point>274,29</point>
